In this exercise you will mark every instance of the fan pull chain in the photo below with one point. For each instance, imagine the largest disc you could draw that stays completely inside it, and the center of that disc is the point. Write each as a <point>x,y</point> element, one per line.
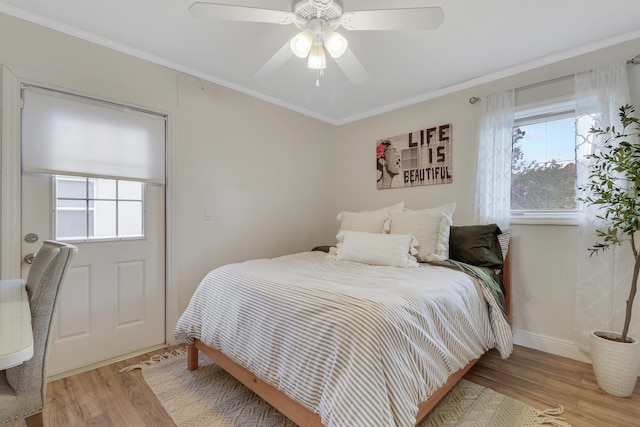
<point>319,74</point>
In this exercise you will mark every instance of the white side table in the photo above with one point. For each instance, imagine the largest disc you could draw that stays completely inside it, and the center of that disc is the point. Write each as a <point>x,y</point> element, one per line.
<point>16,334</point>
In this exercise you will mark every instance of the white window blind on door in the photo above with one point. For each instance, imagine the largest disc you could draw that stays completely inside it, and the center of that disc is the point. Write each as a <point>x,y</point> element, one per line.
<point>64,134</point>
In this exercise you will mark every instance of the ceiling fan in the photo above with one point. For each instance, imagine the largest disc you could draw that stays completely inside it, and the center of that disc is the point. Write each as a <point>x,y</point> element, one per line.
<point>317,21</point>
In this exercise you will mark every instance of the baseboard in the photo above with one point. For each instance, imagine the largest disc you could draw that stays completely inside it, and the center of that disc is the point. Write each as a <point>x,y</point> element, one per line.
<point>550,345</point>
<point>104,363</point>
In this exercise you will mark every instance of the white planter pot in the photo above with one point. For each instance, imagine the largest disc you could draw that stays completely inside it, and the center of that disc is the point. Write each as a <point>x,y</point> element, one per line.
<point>615,364</point>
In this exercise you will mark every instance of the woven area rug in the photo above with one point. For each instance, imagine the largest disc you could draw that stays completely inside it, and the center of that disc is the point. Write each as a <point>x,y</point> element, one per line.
<point>209,397</point>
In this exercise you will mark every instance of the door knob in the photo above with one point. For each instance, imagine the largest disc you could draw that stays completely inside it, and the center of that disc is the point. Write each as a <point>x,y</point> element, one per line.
<point>28,258</point>
<point>31,238</point>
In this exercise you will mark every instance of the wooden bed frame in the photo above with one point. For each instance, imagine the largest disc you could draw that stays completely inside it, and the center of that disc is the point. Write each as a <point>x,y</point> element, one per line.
<point>295,411</point>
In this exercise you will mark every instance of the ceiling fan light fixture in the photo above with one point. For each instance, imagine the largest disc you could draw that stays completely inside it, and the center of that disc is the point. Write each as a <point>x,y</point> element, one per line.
<point>336,44</point>
<point>301,44</point>
<point>317,58</point>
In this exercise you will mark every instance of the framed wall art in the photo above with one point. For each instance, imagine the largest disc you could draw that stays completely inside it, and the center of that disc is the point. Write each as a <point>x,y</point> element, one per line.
<point>417,158</point>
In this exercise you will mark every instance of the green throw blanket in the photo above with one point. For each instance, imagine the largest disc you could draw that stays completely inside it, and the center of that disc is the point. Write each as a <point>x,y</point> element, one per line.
<point>488,276</point>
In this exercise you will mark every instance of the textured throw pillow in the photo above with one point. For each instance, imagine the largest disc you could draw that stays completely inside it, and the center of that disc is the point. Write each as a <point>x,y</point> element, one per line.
<point>396,207</point>
<point>504,239</point>
<point>368,221</point>
<point>395,250</point>
<point>447,209</point>
<point>476,245</point>
<point>430,228</point>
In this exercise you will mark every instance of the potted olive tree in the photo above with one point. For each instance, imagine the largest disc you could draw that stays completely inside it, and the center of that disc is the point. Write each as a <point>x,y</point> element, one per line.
<point>613,186</point>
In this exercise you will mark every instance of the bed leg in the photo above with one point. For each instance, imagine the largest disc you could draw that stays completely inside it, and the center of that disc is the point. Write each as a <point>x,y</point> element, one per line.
<point>192,357</point>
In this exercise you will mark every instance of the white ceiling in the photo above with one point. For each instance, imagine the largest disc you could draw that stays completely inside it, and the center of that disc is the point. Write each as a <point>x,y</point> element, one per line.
<point>478,41</point>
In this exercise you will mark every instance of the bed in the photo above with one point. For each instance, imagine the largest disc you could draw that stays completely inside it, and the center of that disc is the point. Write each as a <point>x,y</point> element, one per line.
<point>336,342</point>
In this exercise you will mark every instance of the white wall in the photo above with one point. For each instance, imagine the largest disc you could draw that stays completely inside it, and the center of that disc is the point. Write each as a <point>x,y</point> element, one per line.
<point>264,173</point>
<point>544,256</point>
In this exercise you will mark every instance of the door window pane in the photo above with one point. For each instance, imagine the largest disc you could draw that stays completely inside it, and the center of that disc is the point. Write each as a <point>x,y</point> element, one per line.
<point>74,188</point>
<point>104,219</point>
<point>102,188</point>
<point>129,190</point>
<point>71,224</point>
<point>130,218</point>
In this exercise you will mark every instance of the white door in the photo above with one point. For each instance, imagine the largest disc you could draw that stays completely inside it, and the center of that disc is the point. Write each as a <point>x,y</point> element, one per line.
<point>113,300</point>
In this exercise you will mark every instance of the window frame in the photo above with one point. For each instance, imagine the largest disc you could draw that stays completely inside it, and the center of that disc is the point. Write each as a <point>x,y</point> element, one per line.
<point>527,114</point>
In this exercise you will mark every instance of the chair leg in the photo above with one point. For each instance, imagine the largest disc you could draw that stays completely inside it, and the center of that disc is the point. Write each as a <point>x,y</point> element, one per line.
<point>35,420</point>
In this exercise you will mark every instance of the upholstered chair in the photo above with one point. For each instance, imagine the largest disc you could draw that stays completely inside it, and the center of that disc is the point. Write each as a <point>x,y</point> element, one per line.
<point>23,387</point>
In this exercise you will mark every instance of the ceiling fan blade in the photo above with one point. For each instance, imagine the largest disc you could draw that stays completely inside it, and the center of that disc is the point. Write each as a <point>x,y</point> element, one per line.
<point>354,70</point>
<point>417,18</point>
<point>226,12</point>
<point>275,62</point>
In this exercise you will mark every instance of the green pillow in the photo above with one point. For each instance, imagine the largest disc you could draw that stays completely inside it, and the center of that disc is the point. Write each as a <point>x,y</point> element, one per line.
<point>476,245</point>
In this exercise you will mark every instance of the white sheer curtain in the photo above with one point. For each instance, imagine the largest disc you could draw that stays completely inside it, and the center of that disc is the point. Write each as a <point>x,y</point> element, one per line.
<point>492,202</point>
<point>604,278</point>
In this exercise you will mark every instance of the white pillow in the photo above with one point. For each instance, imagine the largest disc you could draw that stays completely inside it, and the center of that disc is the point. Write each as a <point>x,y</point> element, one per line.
<point>396,207</point>
<point>447,209</point>
<point>365,221</point>
<point>368,221</point>
<point>377,249</point>
<point>430,227</point>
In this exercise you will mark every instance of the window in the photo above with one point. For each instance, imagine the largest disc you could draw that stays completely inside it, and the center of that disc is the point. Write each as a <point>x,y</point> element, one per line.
<point>543,166</point>
<point>97,208</point>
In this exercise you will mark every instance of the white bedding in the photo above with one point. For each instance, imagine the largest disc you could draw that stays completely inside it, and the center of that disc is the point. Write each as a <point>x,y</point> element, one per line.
<point>360,345</point>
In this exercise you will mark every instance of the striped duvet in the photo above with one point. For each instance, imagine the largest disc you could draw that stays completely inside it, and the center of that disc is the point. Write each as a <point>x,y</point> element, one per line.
<point>360,345</point>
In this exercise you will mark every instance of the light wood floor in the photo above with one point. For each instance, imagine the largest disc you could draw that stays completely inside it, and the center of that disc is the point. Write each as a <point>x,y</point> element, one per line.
<point>105,397</point>
<point>543,380</point>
